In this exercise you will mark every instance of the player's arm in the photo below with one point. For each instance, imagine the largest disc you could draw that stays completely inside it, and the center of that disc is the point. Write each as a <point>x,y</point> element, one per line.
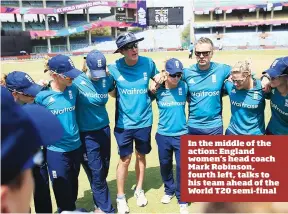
<point>84,66</point>
<point>113,93</point>
<point>265,82</point>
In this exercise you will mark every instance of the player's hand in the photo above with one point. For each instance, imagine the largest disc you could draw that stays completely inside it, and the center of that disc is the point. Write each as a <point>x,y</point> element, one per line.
<point>265,83</point>
<point>160,78</point>
<point>153,87</point>
<point>43,82</point>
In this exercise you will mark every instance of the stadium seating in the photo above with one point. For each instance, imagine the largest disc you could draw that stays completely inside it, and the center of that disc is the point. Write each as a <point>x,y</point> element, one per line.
<point>249,39</point>
<point>9,3</point>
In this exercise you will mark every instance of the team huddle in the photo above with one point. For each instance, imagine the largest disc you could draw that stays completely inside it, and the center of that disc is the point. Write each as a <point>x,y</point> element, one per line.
<point>78,98</point>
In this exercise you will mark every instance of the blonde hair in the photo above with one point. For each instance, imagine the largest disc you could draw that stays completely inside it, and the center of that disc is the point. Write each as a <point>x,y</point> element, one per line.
<point>243,67</point>
<point>205,40</point>
<point>3,79</point>
<point>46,60</point>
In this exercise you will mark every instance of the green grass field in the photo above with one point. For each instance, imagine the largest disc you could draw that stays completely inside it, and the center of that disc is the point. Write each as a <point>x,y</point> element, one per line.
<point>153,185</point>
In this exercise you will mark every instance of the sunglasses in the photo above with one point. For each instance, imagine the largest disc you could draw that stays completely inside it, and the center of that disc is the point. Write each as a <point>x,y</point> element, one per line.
<point>26,95</point>
<point>239,82</point>
<point>179,75</point>
<point>65,77</point>
<point>204,53</point>
<point>130,46</point>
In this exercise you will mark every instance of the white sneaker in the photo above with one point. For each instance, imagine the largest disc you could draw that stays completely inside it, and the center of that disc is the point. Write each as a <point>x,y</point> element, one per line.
<point>166,199</point>
<point>141,198</point>
<point>122,206</point>
<point>184,209</point>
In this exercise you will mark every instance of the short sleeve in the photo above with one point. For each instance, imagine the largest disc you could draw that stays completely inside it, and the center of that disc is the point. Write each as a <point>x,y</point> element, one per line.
<point>111,83</point>
<point>228,86</point>
<point>227,70</point>
<point>39,99</point>
<point>154,69</point>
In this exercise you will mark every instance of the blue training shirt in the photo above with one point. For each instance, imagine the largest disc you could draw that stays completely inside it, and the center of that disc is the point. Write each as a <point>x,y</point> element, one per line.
<point>205,87</point>
<point>133,104</point>
<point>278,124</point>
<point>247,109</point>
<point>91,102</point>
<point>62,104</point>
<point>171,105</point>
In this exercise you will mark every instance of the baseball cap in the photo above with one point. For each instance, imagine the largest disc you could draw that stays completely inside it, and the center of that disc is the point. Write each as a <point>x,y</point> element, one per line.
<point>62,64</point>
<point>96,63</point>
<point>278,67</point>
<point>21,82</point>
<point>126,38</point>
<point>23,131</point>
<point>174,66</point>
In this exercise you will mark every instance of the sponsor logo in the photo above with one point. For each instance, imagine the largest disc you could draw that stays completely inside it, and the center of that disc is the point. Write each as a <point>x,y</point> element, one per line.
<point>94,95</point>
<point>145,75</point>
<point>180,91</point>
<point>51,100</point>
<point>54,174</point>
<point>104,83</point>
<point>278,109</point>
<point>255,95</point>
<point>29,78</point>
<point>70,94</point>
<point>213,78</point>
<point>177,64</point>
<point>286,102</point>
<point>191,81</point>
<point>205,93</point>
<point>133,91</point>
<point>243,105</point>
<point>165,94</point>
<point>99,63</point>
<point>62,111</point>
<point>168,104</point>
<point>121,78</point>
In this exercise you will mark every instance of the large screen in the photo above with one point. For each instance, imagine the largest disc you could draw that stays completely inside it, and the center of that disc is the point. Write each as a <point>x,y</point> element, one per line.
<point>165,16</point>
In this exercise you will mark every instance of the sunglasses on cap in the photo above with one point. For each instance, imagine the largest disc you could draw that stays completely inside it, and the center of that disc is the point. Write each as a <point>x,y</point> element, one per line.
<point>63,76</point>
<point>130,46</point>
<point>20,92</point>
<point>179,75</point>
<point>204,53</point>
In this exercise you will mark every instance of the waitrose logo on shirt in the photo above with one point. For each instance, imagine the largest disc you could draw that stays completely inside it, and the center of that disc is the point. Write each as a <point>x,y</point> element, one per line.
<point>62,111</point>
<point>133,91</point>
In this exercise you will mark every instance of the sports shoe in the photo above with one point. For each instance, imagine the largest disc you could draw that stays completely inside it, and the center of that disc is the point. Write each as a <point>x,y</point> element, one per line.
<point>184,209</point>
<point>122,206</point>
<point>166,199</point>
<point>141,198</point>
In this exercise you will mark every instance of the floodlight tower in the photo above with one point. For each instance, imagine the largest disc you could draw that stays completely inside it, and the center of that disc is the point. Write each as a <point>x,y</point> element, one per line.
<point>192,30</point>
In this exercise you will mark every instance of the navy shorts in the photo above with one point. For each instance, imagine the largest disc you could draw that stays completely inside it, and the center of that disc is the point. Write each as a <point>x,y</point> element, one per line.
<point>207,131</point>
<point>125,138</point>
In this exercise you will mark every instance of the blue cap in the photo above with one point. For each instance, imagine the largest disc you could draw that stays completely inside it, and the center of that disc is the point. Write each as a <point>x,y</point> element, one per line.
<point>21,82</point>
<point>126,38</point>
<point>278,67</point>
<point>174,66</point>
<point>62,64</point>
<point>96,63</point>
<point>23,131</point>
